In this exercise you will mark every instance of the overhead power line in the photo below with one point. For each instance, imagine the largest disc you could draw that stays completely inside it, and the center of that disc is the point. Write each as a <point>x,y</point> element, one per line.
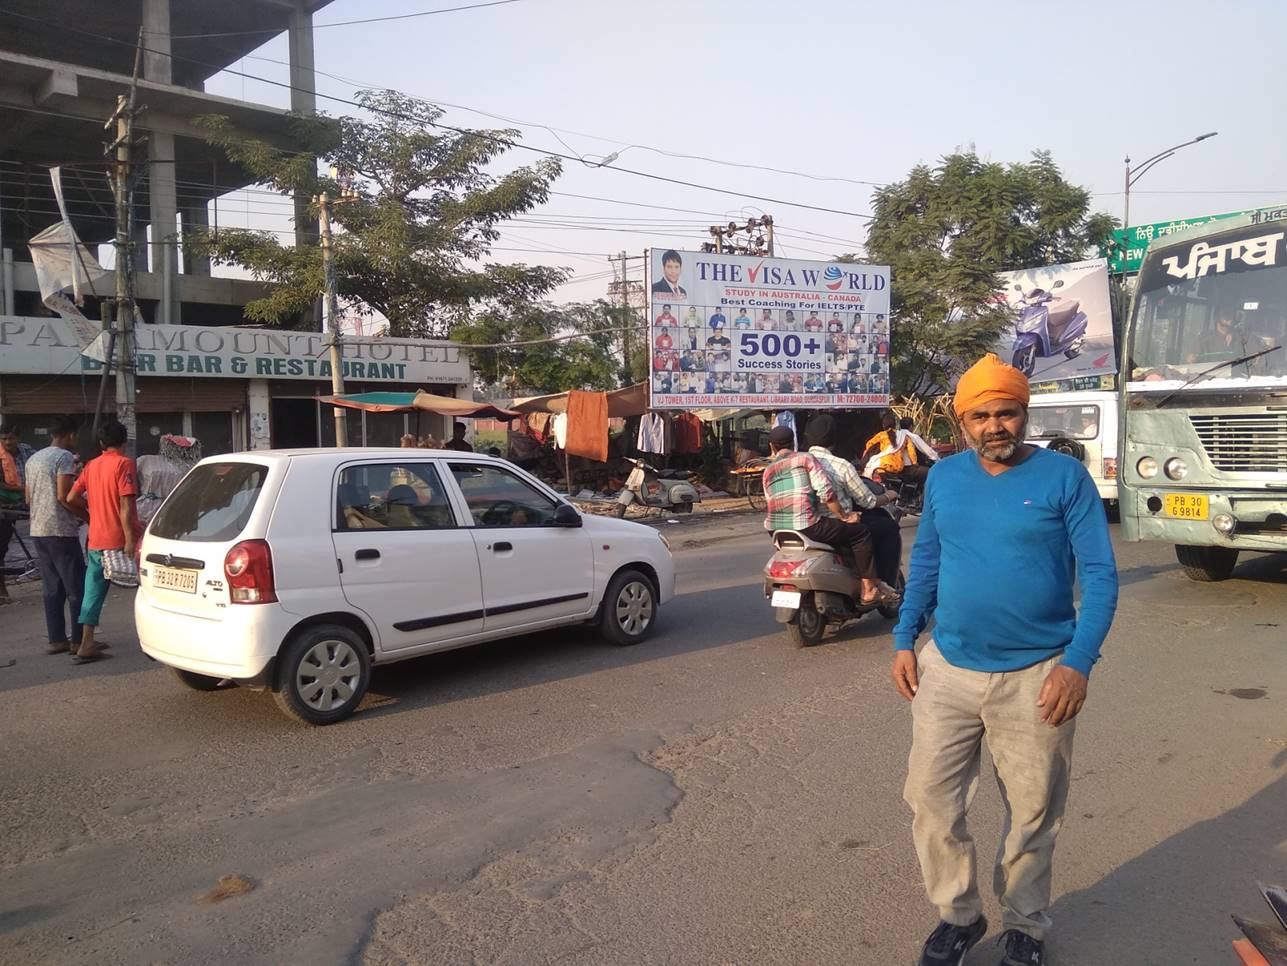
<point>348,23</point>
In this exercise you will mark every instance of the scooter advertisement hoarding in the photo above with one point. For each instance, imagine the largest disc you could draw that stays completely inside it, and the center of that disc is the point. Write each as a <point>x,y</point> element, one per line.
<point>1063,324</point>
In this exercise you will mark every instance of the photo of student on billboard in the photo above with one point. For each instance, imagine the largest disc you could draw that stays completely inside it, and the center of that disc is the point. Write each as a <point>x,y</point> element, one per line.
<point>672,267</point>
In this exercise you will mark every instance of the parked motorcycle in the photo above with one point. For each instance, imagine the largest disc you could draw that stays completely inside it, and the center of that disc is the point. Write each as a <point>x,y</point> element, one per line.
<point>1047,326</point>
<point>650,487</point>
<point>810,585</point>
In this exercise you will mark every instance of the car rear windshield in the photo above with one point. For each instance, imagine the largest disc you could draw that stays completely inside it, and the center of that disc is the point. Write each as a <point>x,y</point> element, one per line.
<point>212,504</point>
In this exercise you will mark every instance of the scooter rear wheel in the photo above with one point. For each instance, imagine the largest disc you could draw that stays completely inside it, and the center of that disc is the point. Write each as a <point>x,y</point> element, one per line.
<point>809,625</point>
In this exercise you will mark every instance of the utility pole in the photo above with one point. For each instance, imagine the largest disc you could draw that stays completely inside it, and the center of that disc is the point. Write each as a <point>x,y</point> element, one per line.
<point>330,302</point>
<point>623,286</point>
<point>120,340</point>
<point>757,242</point>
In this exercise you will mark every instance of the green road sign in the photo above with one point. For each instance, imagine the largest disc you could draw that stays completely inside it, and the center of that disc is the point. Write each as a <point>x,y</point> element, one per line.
<point>1126,251</point>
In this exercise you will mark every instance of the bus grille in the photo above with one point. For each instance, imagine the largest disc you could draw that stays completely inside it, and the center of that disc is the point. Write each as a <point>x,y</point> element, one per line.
<point>1244,442</point>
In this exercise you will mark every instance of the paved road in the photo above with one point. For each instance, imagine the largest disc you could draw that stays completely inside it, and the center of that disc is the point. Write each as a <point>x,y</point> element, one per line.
<point>710,797</point>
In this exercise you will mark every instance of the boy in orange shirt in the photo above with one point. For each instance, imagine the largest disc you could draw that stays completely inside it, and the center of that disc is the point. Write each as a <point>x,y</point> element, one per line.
<point>107,489</point>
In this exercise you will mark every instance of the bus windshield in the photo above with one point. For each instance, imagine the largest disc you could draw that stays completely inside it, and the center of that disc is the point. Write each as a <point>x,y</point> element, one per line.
<point>1210,301</point>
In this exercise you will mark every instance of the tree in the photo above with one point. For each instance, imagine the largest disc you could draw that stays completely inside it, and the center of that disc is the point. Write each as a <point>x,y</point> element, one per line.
<point>413,245</point>
<point>540,348</point>
<point>946,231</point>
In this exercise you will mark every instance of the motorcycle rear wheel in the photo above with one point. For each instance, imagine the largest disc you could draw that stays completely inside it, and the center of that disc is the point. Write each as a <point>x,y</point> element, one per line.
<point>809,625</point>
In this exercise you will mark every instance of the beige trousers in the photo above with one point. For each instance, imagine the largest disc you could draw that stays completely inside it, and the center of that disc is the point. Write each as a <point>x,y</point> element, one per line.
<point>952,712</point>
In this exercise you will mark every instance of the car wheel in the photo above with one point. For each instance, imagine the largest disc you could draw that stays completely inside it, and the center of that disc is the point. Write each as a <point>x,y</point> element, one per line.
<point>629,609</point>
<point>322,674</point>
<point>809,624</point>
<point>1206,563</point>
<point>197,682</point>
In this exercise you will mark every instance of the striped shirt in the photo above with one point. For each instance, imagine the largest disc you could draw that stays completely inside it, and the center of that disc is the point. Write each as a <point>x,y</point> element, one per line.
<point>793,503</point>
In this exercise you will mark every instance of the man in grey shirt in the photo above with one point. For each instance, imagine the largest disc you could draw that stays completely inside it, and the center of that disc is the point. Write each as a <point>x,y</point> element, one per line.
<point>55,529</point>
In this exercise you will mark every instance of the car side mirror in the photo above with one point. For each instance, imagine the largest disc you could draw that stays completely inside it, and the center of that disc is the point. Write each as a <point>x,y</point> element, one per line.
<point>566,516</point>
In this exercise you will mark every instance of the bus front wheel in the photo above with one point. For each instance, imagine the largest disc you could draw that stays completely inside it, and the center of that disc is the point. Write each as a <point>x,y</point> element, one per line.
<point>1206,563</point>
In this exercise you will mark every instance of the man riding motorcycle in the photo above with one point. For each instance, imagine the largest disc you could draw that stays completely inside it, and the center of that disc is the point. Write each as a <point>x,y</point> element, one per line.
<point>795,488</point>
<point>852,493</point>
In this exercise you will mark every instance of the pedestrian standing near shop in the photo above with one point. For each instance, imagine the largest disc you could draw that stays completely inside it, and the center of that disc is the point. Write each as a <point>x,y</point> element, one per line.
<point>107,490</point>
<point>14,454</point>
<point>55,534</point>
<point>1007,527</point>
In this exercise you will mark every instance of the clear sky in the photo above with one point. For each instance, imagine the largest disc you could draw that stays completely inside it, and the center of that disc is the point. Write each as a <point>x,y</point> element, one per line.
<point>832,88</point>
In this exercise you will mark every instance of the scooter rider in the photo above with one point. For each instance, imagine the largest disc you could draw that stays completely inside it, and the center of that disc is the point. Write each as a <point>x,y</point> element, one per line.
<point>793,504</point>
<point>852,493</point>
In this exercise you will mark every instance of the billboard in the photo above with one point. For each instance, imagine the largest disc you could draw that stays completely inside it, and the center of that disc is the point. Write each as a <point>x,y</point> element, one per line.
<point>773,333</point>
<point>1063,322</point>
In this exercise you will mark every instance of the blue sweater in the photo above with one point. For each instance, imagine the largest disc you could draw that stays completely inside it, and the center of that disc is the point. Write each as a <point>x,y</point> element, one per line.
<point>994,562</point>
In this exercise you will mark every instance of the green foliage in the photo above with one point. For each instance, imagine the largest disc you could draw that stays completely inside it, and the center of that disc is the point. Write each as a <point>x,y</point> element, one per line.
<point>946,231</point>
<point>413,245</point>
<point>593,359</point>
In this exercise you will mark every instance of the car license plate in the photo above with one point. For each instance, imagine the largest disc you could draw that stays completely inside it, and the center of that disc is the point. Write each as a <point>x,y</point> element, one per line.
<point>1186,506</point>
<point>786,598</point>
<point>172,578</point>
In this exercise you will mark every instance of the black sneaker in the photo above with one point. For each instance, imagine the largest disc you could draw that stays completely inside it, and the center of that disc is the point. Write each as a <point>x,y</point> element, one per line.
<point>1021,949</point>
<point>948,944</point>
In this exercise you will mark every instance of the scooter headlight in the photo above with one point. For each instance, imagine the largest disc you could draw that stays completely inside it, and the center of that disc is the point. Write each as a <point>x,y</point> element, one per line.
<point>1146,468</point>
<point>1175,468</point>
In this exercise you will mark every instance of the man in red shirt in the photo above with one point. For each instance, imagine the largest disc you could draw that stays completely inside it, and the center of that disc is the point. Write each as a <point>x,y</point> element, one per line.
<point>106,488</point>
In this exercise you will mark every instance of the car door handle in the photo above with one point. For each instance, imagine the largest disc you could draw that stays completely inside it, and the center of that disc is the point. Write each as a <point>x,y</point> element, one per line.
<point>367,554</point>
<point>502,546</point>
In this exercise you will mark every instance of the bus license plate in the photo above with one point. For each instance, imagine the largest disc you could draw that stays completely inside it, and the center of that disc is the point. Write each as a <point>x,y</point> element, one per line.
<point>172,578</point>
<point>1186,506</point>
<point>786,598</point>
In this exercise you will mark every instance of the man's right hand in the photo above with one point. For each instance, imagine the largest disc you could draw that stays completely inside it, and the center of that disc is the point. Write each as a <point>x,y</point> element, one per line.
<point>905,673</point>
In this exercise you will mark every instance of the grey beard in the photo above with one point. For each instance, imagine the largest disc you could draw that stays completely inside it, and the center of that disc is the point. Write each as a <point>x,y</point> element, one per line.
<point>996,450</point>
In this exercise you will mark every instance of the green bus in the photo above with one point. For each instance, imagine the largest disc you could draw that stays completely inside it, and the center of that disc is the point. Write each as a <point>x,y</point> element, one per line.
<point>1203,446</point>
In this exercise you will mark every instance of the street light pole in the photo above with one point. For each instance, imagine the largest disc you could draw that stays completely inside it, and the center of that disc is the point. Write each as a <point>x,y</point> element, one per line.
<point>330,299</point>
<point>1134,174</point>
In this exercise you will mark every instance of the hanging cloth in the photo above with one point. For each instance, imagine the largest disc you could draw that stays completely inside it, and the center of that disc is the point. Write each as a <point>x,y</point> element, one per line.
<point>787,418</point>
<point>559,427</point>
<point>652,434</point>
<point>587,431</point>
<point>688,433</point>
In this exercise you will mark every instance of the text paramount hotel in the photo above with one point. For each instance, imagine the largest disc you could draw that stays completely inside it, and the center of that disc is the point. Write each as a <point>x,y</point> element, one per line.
<point>746,331</point>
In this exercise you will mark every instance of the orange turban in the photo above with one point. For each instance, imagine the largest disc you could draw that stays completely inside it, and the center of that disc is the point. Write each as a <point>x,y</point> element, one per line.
<point>986,380</point>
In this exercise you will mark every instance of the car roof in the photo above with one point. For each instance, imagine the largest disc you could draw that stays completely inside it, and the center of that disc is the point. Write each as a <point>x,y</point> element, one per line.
<point>345,453</point>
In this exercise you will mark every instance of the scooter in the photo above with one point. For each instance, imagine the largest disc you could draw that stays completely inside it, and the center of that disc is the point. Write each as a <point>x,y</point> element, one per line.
<point>810,585</point>
<point>648,486</point>
<point>1047,325</point>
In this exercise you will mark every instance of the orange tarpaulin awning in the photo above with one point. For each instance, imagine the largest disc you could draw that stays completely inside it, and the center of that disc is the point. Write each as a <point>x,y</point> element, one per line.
<point>419,401</point>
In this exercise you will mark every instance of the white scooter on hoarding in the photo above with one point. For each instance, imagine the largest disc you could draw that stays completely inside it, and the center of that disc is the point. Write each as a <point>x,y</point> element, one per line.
<point>648,486</point>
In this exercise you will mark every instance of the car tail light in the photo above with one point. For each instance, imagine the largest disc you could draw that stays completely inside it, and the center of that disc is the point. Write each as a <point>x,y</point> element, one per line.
<point>789,568</point>
<point>1110,468</point>
<point>249,569</point>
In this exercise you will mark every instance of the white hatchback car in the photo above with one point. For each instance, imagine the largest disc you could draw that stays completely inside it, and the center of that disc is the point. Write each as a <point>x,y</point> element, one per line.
<point>297,570</point>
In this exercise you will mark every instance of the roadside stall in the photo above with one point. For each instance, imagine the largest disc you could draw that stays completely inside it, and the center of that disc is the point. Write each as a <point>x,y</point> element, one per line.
<point>418,403</point>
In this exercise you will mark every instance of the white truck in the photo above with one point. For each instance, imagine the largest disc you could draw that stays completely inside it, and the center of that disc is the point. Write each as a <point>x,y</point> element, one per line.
<point>1083,425</point>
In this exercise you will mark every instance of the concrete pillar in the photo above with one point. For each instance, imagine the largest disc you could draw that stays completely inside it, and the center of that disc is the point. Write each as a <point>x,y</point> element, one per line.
<point>156,41</point>
<point>258,405</point>
<point>303,100</point>
<point>165,212</point>
<point>191,219</point>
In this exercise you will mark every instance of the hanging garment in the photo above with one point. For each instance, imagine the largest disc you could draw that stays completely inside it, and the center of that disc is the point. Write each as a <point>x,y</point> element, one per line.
<point>787,418</point>
<point>652,434</point>
<point>587,430</point>
<point>559,427</point>
<point>688,433</point>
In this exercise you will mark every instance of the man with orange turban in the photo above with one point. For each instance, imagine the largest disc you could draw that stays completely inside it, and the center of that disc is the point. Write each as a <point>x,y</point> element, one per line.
<point>1007,527</point>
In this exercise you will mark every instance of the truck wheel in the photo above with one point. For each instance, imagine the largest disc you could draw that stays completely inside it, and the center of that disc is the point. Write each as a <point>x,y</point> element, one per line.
<point>629,609</point>
<point>1206,563</point>
<point>809,624</point>
<point>322,674</point>
<point>197,682</point>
